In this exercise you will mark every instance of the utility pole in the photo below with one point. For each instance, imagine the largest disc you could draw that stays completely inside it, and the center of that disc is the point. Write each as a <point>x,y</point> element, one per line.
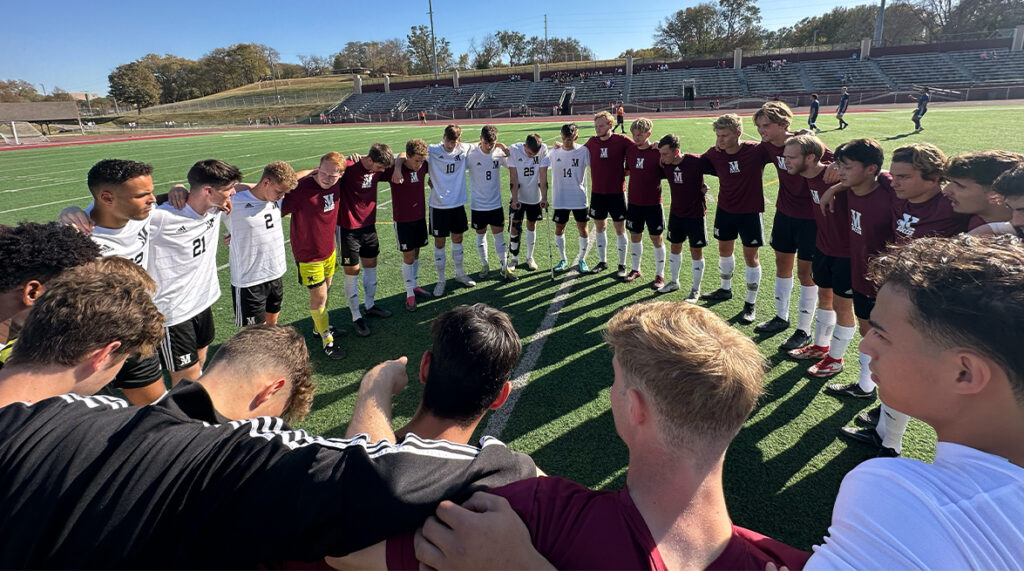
<point>547,54</point>
<point>879,24</point>
<point>433,41</point>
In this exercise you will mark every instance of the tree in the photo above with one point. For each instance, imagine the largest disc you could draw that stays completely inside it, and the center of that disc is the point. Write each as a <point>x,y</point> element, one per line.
<point>692,31</point>
<point>352,56</point>
<point>134,84</point>
<point>387,57</point>
<point>742,22</point>
<point>513,44</point>
<point>420,50</point>
<point>289,70</point>
<point>848,25</point>
<point>487,53</point>
<point>18,91</point>
<point>463,62</point>
<point>313,65</point>
<point>647,53</point>
<point>557,49</point>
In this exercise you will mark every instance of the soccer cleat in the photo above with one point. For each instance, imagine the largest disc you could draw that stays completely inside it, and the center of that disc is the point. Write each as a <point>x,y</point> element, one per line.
<point>870,437</point>
<point>421,294</point>
<point>531,265</point>
<point>850,390</point>
<point>484,271</point>
<point>869,417</point>
<point>749,314</point>
<point>360,326</point>
<point>582,267</point>
<point>799,338</point>
<point>825,368</point>
<point>658,283</point>
<point>513,262</point>
<point>334,332</point>
<point>439,289</point>
<point>465,280</point>
<point>508,275</point>
<point>410,303</point>
<point>719,294</point>
<point>773,325</point>
<point>561,265</point>
<point>377,311</point>
<point>621,272</point>
<point>669,287</point>
<point>809,352</point>
<point>632,275</point>
<point>334,351</point>
<point>693,296</point>
<point>600,267</point>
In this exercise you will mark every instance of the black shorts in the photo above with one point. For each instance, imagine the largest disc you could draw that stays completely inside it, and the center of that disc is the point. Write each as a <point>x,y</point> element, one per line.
<point>604,205</point>
<point>356,244</point>
<point>411,235</point>
<point>618,120</point>
<point>794,236</point>
<point>832,273</point>
<point>683,229</point>
<point>447,221</point>
<point>532,212</point>
<point>180,346</point>
<point>253,303</point>
<point>652,215</point>
<point>561,215</point>
<point>862,305</point>
<point>481,219</point>
<point>747,226</point>
<point>137,373</point>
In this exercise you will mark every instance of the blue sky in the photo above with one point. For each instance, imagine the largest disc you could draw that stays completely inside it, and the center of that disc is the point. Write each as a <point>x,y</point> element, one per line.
<point>75,45</point>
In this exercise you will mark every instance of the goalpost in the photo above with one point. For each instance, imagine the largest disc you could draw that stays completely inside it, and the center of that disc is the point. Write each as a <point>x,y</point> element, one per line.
<point>21,133</point>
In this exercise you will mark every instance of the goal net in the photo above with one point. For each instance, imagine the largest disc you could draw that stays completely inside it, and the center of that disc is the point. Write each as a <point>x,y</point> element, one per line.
<point>21,133</point>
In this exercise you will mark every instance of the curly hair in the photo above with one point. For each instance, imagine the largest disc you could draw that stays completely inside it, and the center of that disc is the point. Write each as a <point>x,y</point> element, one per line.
<point>33,251</point>
<point>282,173</point>
<point>115,172</point>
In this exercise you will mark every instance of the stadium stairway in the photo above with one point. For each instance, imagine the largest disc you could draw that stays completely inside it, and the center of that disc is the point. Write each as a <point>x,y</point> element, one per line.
<point>741,76</point>
<point>805,78</point>
<point>963,68</point>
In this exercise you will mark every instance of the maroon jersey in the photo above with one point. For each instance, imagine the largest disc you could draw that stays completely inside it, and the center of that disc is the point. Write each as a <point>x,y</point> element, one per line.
<point>358,197</point>
<point>975,222</point>
<point>870,230</point>
<point>686,183</point>
<point>608,163</point>
<point>833,236</point>
<point>644,175</point>
<point>408,199</point>
<point>577,528</point>
<point>314,217</point>
<point>794,197</point>
<point>740,185</point>
<point>933,217</point>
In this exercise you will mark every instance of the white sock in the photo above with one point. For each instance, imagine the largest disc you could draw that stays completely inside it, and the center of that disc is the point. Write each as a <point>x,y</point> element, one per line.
<point>407,277</point>
<point>531,242</point>
<point>583,249</point>
<point>659,260</point>
<point>783,291</point>
<point>805,310</point>
<point>439,261</point>
<point>369,286</point>
<point>457,258</point>
<point>824,328</point>
<point>352,295</point>
<point>865,382</point>
<point>481,248</point>
<point>416,273</point>
<point>698,273</point>
<point>891,426</point>
<point>623,244</point>
<point>636,253</point>
<point>726,265</point>
<point>560,245</point>
<point>499,248</point>
<point>753,283</point>
<point>602,246</point>
<point>840,341</point>
<point>675,263</point>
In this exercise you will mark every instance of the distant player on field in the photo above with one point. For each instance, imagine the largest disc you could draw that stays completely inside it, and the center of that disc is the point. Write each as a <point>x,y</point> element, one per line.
<point>569,195</point>
<point>686,219</point>
<point>812,117</point>
<point>922,107</point>
<point>408,200</point>
<point>485,163</point>
<point>528,180</point>
<point>620,117</point>
<point>644,201</point>
<point>844,104</point>
<point>607,188</point>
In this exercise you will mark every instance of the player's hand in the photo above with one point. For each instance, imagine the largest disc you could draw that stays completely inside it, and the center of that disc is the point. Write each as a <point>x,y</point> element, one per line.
<point>827,201</point>
<point>227,239</point>
<point>544,204</point>
<point>397,177</point>
<point>389,374</point>
<point>831,173</point>
<point>177,196</point>
<point>76,218</point>
<point>354,157</point>
<point>515,205</point>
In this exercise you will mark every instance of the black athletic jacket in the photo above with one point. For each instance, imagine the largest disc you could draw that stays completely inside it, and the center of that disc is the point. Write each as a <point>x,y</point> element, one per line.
<point>90,482</point>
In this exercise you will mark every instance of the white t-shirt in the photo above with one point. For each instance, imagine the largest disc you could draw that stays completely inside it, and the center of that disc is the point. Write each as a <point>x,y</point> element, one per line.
<point>130,242</point>
<point>568,185</point>
<point>448,175</point>
<point>528,171</point>
<point>485,178</point>
<point>256,252</point>
<point>964,511</point>
<point>183,261</point>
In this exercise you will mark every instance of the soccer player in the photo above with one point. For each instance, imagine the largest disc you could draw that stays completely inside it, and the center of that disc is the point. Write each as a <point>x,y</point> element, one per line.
<point>448,195</point>
<point>408,200</point>
<point>644,205</point>
<point>569,194</point>
<point>812,117</point>
<point>314,216</point>
<point>620,117</point>
<point>739,167</point>
<point>528,179</point>
<point>844,104</point>
<point>357,232</point>
<point>922,107</point>
<point>485,163</point>
<point>686,219</point>
<point>970,185</point>
<point>608,185</point>
<point>1010,185</point>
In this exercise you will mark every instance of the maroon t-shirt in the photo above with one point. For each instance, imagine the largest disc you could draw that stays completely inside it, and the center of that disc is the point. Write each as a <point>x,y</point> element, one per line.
<point>314,213</point>
<point>793,192</point>
<point>358,197</point>
<point>740,184</point>
<point>644,175</point>
<point>574,527</point>
<point>870,230</point>
<point>933,217</point>
<point>686,183</point>
<point>975,222</point>
<point>408,199</point>
<point>833,235</point>
<point>608,163</point>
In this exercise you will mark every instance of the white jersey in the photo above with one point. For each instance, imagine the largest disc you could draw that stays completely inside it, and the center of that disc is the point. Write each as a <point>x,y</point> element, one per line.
<point>485,178</point>
<point>130,242</point>
<point>448,175</point>
<point>256,252</point>
<point>528,171</point>
<point>183,261</point>
<point>568,185</point>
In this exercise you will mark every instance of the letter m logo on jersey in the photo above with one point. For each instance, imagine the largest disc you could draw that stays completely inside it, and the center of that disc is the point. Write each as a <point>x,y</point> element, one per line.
<point>604,152</point>
<point>782,162</point>
<point>734,167</point>
<point>328,202</point>
<point>677,177</point>
<point>575,162</point>
<point>639,162</point>
<point>906,225</point>
<point>855,221</point>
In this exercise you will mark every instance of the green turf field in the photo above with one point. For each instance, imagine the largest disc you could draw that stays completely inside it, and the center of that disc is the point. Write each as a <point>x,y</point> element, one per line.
<point>784,468</point>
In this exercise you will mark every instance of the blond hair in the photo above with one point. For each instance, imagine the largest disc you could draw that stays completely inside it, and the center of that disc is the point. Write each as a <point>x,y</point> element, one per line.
<point>281,173</point>
<point>335,158</point>
<point>925,158</point>
<point>641,125</point>
<point>808,145</point>
<point>729,121</point>
<point>607,116</point>
<point>775,112</point>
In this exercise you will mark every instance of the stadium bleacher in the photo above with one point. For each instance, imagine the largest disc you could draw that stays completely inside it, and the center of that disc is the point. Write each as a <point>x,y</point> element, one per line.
<point>906,71</point>
<point>785,79</point>
<point>997,67</point>
<point>827,75</point>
